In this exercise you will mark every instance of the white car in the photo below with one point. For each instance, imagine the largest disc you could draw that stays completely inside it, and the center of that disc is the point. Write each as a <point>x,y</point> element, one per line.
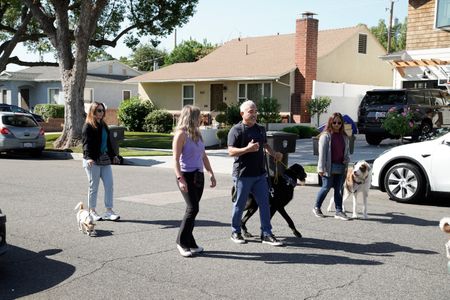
<point>409,173</point>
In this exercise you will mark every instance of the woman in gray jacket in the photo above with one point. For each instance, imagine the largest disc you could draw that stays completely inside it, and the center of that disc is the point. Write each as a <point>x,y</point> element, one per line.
<point>332,164</point>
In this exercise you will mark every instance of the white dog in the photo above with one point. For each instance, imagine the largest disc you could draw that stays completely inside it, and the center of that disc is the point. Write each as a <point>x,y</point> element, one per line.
<point>85,220</point>
<point>358,181</point>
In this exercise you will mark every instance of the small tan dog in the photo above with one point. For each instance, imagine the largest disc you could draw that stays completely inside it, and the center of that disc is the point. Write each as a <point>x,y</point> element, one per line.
<point>358,181</point>
<point>85,221</point>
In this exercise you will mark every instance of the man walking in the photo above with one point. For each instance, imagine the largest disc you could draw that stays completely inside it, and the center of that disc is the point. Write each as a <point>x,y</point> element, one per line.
<point>246,143</point>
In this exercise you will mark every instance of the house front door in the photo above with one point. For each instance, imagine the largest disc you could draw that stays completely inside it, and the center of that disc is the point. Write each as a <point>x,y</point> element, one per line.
<point>216,95</point>
<point>25,98</point>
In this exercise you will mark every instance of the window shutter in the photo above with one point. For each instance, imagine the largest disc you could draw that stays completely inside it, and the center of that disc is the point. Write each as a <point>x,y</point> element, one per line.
<point>362,44</point>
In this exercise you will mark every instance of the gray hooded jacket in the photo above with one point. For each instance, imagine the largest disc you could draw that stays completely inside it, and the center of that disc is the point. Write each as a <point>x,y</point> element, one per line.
<point>324,163</point>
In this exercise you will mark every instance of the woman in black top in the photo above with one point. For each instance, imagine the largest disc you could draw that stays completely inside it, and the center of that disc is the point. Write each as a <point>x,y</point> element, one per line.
<point>98,154</point>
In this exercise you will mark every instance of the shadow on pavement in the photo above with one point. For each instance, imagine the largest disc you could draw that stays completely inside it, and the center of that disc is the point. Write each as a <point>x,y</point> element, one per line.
<point>401,218</point>
<point>142,162</point>
<point>169,224</point>
<point>373,249</point>
<point>290,258</point>
<point>25,272</point>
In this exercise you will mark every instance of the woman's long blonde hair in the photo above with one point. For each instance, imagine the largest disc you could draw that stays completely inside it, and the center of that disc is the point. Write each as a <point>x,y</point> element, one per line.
<point>189,122</point>
<point>90,117</point>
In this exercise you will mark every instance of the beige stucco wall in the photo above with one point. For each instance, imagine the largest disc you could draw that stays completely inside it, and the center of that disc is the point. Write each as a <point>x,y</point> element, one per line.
<point>345,64</point>
<point>169,95</point>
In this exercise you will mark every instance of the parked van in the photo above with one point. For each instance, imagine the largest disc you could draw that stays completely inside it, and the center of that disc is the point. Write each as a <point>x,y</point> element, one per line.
<point>431,109</point>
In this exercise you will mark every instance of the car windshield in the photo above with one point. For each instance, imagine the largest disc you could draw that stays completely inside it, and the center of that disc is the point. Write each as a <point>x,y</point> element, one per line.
<point>19,121</point>
<point>384,98</point>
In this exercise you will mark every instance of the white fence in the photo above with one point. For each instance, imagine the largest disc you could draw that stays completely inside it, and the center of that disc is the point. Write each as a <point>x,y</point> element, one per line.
<point>345,98</point>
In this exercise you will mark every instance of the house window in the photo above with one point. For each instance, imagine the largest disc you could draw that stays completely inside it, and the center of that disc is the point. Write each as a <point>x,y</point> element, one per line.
<point>254,91</point>
<point>443,14</point>
<point>362,43</point>
<point>88,95</point>
<point>126,95</point>
<point>4,96</point>
<point>188,95</point>
<point>53,96</point>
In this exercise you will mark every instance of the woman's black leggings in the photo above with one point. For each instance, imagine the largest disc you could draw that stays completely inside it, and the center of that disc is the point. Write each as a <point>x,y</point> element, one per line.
<point>195,183</point>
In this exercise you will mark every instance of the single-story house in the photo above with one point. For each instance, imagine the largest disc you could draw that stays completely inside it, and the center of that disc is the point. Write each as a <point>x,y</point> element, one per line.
<point>281,66</point>
<point>426,61</point>
<point>36,85</point>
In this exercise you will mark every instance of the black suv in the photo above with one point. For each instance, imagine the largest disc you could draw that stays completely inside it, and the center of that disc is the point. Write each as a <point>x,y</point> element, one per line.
<point>15,108</point>
<point>431,109</point>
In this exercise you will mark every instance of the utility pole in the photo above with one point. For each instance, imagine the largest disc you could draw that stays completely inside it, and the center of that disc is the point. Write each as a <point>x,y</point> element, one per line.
<point>175,37</point>
<point>389,37</point>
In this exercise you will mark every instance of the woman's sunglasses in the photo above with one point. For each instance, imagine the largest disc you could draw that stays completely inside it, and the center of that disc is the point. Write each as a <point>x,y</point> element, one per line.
<point>337,122</point>
<point>99,110</point>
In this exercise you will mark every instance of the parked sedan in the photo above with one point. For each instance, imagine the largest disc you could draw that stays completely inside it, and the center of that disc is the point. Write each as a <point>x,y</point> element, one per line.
<point>15,108</point>
<point>21,133</point>
<point>410,172</point>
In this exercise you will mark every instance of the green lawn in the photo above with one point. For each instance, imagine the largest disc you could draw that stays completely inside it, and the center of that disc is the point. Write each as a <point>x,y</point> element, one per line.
<point>132,140</point>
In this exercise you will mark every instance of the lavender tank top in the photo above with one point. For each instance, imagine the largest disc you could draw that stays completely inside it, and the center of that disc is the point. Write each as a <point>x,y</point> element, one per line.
<point>191,158</point>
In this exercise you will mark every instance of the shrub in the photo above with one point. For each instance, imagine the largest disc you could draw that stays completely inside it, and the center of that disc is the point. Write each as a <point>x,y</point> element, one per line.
<point>132,113</point>
<point>303,132</point>
<point>233,114</point>
<point>318,106</point>
<point>221,106</point>
<point>222,135</point>
<point>269,111</point>
<point>221,118</point>
<point>399,123</point>
<point>160,121</point>
<point>49,110</point>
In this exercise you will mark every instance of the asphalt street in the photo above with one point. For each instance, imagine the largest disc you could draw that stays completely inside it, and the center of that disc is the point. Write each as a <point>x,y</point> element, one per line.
<point>398,253</point>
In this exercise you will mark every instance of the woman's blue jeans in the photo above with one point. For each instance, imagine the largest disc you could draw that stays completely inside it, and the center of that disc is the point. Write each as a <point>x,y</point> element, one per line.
<point>94,173</point>
<point>259,188</point>
<point>334,181</point>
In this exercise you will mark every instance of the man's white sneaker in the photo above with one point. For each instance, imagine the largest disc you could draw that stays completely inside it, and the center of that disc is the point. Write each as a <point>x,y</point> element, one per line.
<point>95,216</point>
<point>110,215</point>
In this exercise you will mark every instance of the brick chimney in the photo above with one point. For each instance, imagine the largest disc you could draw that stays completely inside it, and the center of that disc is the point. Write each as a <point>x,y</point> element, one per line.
<point>306,36</point>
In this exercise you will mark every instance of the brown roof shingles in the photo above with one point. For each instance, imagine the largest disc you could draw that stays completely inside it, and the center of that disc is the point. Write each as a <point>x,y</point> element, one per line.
<point>266,57</point>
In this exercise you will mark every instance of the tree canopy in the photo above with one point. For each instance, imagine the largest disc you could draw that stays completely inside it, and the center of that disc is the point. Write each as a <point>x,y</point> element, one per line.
<point>189,51</point>
<point>71,27</point>
<point>145,56</point>
<point>398,38</point>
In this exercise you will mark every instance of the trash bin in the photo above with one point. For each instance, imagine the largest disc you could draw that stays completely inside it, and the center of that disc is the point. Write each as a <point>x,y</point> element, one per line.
<point>116,134</point>
<point>282,142</point>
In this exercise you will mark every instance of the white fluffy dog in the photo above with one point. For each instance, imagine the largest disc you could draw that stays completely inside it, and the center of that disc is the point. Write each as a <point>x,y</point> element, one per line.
<point>85,220</point>
<point>358,181</point>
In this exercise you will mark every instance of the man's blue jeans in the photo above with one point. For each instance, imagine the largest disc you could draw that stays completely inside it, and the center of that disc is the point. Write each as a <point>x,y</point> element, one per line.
<point>334,181</point>
<point>258,187</point>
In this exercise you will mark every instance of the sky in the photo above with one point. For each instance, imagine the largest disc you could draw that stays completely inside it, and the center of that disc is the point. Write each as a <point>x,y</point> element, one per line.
<point>219,21</point>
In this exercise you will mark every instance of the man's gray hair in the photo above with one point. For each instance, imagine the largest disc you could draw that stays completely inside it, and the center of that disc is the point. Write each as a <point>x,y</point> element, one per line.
<point>246,104</point>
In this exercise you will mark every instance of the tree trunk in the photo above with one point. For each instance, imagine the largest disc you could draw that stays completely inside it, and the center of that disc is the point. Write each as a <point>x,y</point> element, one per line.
<point>73,87</point>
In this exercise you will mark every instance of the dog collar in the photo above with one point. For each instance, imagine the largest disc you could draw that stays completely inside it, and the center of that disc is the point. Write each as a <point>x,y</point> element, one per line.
<point>289,180</point>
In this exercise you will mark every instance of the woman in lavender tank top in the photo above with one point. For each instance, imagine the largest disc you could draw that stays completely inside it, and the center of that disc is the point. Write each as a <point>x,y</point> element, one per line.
<point>190,160</point>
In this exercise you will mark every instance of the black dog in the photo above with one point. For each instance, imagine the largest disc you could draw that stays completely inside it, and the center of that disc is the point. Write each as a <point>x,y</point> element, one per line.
<point>281,195</point>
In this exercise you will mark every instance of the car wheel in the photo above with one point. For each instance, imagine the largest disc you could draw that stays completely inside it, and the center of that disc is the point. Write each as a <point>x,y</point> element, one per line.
<point>404,183</point>
<point>373,139</point>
